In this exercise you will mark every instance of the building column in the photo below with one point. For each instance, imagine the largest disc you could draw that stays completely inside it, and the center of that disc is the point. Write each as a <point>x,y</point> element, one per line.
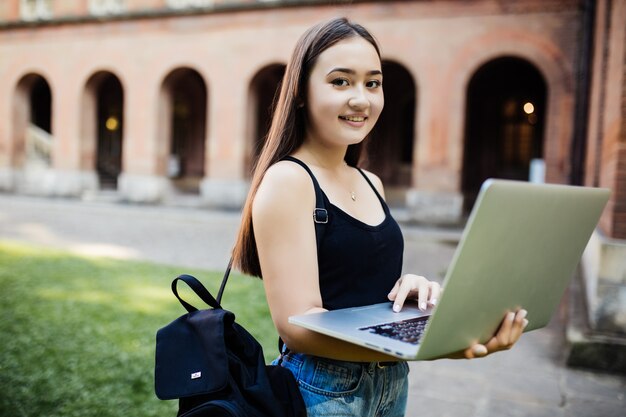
<point>436,196</point>
<point>7,132</point>
<point>143,178</point>
<point>224,185</point>
<point>599,339</point>
<point>66,177</point>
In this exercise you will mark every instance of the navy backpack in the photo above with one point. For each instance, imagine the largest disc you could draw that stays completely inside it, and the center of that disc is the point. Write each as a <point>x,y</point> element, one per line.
<point>216,368</point>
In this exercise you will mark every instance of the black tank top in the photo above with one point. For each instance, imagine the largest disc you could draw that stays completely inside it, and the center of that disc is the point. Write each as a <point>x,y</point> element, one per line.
<point>358,263</point>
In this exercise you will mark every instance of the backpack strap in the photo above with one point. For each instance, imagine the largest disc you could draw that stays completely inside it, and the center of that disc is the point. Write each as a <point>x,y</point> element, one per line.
<point>224,279</point>
<point>198,288</point>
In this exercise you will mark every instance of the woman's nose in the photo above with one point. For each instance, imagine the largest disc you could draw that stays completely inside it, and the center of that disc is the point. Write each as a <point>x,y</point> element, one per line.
<point>359,100</point>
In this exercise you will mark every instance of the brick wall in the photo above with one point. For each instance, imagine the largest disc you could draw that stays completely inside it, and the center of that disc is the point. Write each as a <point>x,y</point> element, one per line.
<point>72,9</point>
<point>606,154</point>
<point>439,44</point>
<point>619,217</point>
<point>9,10</point>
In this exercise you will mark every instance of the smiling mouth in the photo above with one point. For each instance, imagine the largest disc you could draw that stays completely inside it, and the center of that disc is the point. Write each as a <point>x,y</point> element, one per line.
<point>353,118</point>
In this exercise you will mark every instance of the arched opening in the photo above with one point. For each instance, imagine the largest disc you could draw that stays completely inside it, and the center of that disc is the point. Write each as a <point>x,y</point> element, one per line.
<point>184,107</point>
<point>109,130</point>
<point>102,127</point>
<point>41,105</point>
<point>390,146</point>
<point>505,118</point>
<point>263,90</point>
<point>32,121</point>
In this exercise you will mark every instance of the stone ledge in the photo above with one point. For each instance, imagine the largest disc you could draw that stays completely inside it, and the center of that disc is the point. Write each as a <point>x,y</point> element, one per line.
<point>48,182</point>
<point>432,207</point>
<point>223,194</point>
<point>597,354</point>
<point>588,348</point>
<point>146,189</point>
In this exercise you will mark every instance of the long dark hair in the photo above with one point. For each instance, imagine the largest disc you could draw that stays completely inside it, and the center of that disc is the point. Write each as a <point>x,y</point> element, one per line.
<point>287,130</point>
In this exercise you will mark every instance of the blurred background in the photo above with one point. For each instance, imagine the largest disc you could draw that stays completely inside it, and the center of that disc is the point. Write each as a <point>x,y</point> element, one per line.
<point>165,103</point>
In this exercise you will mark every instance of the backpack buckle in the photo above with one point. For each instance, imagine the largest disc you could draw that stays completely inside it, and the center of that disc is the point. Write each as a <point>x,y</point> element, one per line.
<point>320,215</point>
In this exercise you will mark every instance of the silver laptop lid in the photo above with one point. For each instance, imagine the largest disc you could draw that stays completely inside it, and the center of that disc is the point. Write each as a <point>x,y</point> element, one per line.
<point>519,249</point>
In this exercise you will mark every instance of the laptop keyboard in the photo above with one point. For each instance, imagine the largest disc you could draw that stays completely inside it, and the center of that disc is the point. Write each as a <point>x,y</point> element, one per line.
<point>408,331</point>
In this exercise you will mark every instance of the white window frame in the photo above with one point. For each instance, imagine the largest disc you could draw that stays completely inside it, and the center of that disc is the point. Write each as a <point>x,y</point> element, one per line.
<point>31,10</point>
<point>189,4</point>
<point>106,7</point>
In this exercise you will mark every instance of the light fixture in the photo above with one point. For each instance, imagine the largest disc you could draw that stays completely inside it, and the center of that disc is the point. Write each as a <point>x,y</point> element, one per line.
<point>112,123</point>
<point>529,108</point>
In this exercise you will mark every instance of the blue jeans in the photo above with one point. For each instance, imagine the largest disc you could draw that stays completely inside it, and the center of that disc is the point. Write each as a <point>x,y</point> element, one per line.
<point>338,388</point>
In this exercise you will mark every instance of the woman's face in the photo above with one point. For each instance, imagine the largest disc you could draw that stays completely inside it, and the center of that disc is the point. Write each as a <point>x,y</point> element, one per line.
<point>345,95</point>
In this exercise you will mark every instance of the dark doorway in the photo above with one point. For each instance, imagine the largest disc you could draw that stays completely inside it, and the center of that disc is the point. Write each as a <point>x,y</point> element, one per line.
<point>32,120</point>
<point>505,117</point>
<point>110,110</point>
<point>390,145</point>
<point>264,90</point>
<point>188,95</point>
<point>41,105</point>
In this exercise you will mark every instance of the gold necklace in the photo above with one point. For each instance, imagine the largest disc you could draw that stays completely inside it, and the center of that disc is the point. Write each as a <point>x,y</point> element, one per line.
<point>352,193</point>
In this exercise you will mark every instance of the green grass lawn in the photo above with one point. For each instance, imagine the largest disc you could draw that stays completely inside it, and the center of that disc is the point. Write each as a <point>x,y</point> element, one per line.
<point>77,334</point>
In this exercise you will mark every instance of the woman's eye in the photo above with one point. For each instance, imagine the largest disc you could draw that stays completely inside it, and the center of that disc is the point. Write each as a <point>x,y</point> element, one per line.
<point>340,82</point>
<point>374,84</point>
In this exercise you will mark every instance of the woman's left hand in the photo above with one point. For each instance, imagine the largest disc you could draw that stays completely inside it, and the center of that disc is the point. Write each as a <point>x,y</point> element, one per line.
<point>416,287</point>
<point>507,335</point>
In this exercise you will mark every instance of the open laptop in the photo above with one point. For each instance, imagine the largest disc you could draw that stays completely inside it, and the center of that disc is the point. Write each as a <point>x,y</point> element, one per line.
<point>519,249</point>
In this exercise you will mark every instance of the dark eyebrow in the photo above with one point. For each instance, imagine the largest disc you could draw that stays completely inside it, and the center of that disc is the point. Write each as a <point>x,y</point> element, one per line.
<point>351,71</point>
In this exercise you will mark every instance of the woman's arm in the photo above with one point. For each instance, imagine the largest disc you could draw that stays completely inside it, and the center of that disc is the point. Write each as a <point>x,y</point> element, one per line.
<point>282,217</point>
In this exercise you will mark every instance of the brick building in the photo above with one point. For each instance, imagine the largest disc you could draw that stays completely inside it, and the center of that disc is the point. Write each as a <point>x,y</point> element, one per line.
<point>158,98</point>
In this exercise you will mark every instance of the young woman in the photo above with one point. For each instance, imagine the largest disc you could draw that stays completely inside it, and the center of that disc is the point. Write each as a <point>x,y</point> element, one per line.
<point>330,99</point>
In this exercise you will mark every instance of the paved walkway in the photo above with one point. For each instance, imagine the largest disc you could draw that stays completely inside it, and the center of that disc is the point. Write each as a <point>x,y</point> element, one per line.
<point>530,380</point>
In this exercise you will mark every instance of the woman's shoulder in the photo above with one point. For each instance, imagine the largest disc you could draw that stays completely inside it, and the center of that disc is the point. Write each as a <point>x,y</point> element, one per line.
<point>284,174</point>
<point>284,183</point>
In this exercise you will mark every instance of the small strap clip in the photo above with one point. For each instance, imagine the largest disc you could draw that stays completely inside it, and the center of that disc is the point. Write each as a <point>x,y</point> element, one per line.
<point>320,215</point>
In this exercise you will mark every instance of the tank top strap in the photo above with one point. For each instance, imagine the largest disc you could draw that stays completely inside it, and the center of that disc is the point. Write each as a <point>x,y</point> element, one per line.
<point>382,200</point>
<point>320,214</point>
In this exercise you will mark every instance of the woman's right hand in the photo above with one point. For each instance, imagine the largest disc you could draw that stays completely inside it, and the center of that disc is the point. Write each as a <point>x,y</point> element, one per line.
<point>508,334</point>
<point>415,287</point>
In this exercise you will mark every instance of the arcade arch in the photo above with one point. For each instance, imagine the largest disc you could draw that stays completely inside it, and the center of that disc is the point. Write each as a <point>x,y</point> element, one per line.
<point>390,145</point>
<point>31,119</point>
<point>504,123</point>
<point>263,93</point>
<point>182,129</point>
<point>102,127</point>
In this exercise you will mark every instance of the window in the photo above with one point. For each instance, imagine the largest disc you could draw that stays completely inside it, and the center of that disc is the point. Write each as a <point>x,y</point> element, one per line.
<point>188,4</point>
<point>32,10</point>
<point>106,7</point>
